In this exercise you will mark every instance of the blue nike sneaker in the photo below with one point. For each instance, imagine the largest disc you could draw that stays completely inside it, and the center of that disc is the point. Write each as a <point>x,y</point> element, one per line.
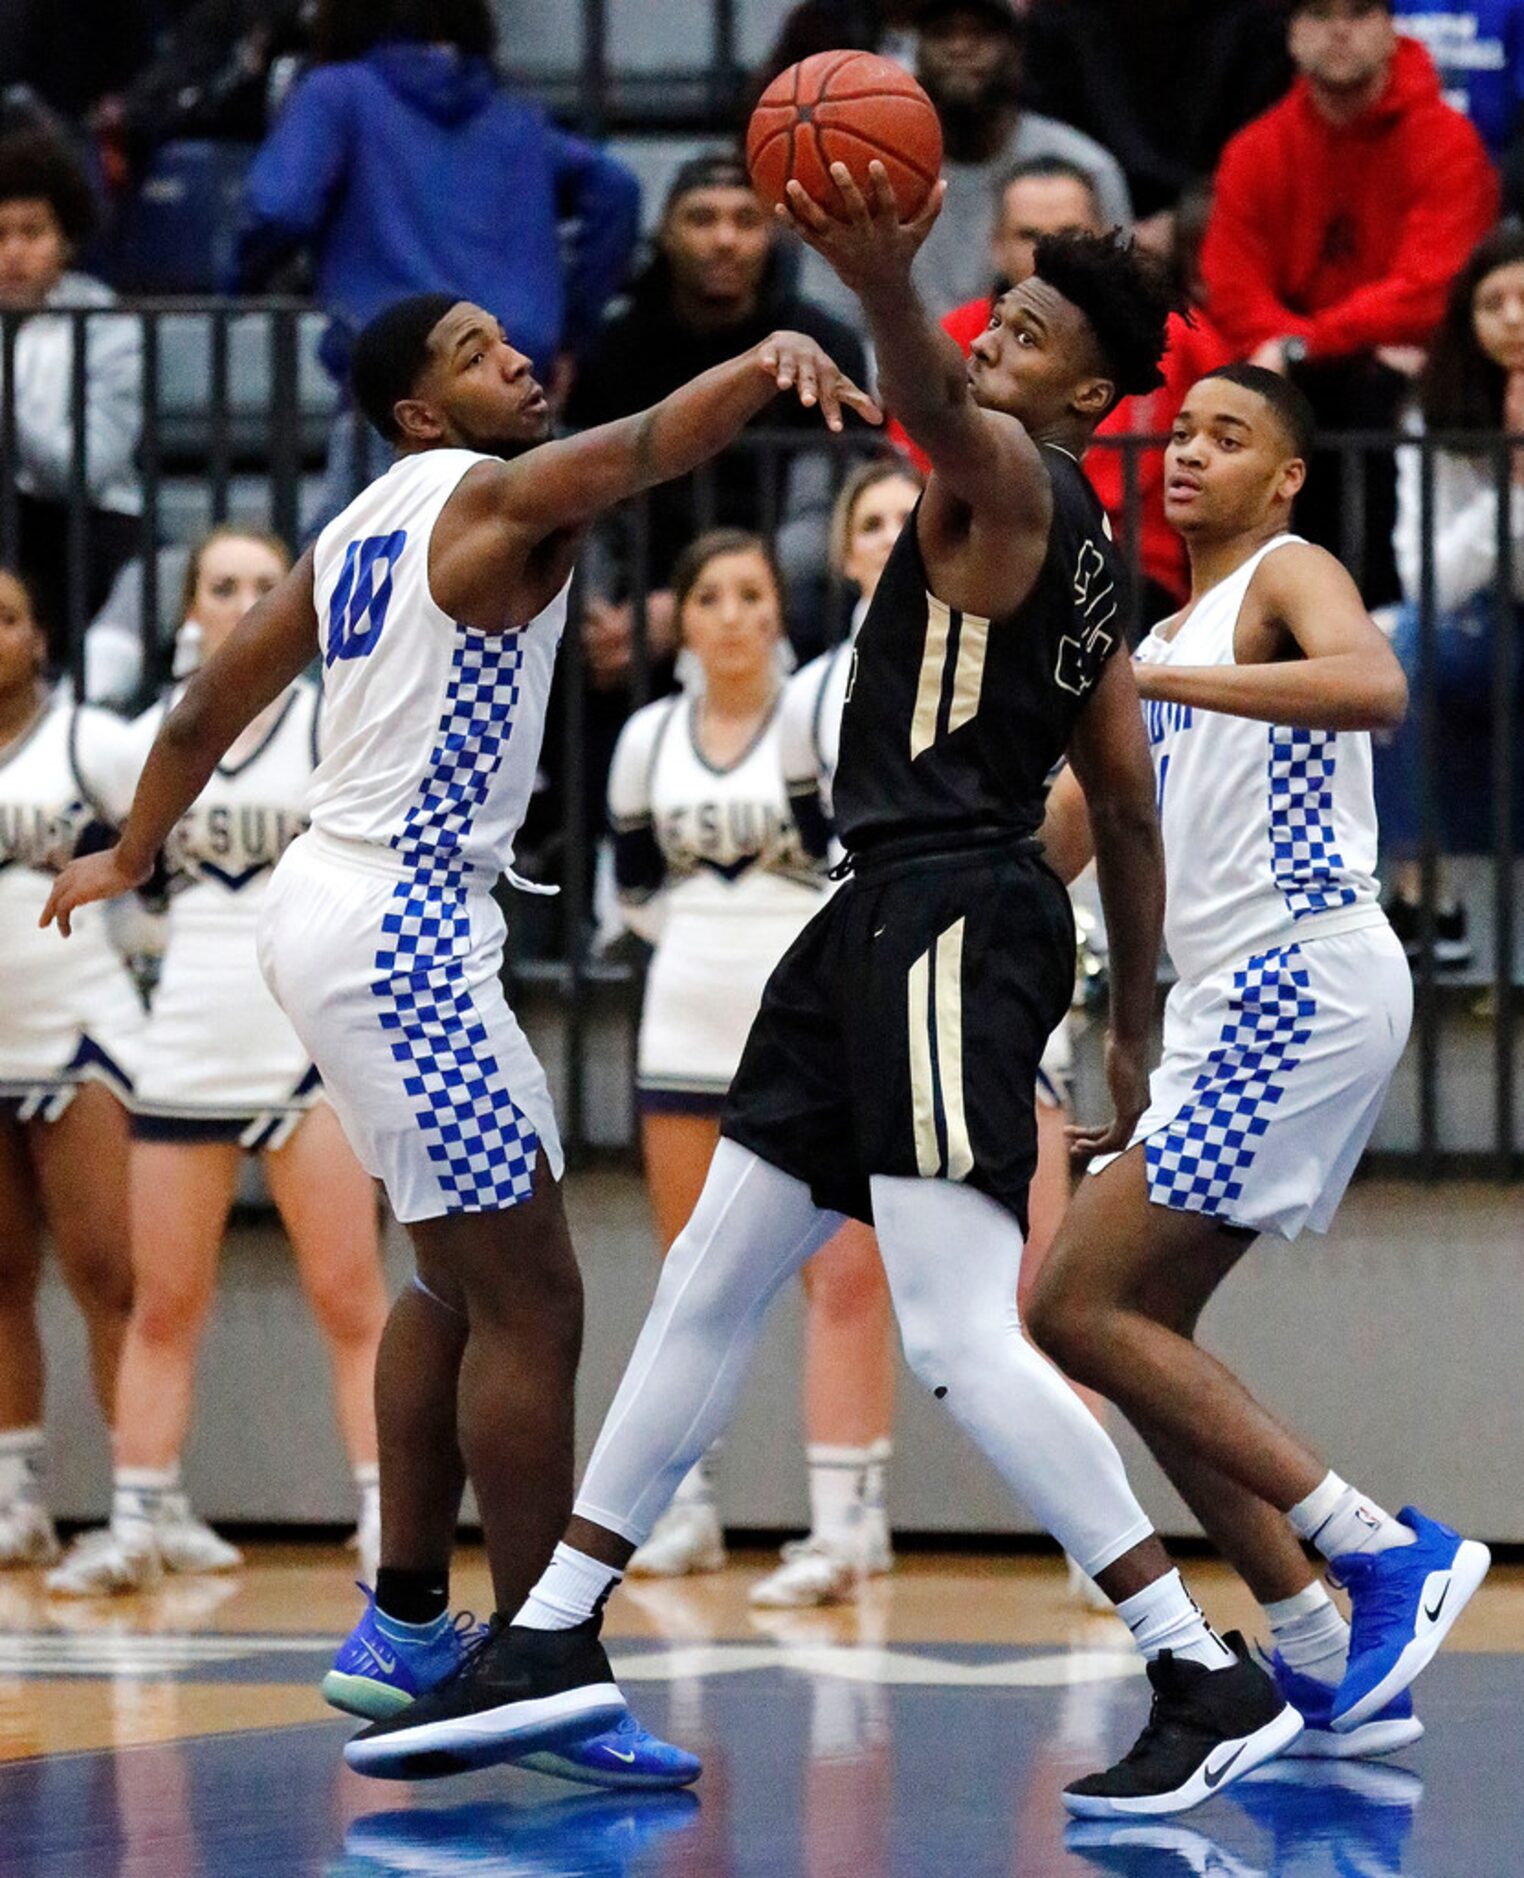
<point>1403,1602</point>
<point>383,1666</point>
<point>1395,1727</point>
<point>1359,1814</point>
<point>625,1755</point>
<point>595,1836</point>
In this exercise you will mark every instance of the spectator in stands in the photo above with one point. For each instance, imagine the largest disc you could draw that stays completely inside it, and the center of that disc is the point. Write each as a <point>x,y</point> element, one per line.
<point>402,166</point>
<point>883,26</point>
<point>1341,216</point>
<point>1195,348</point>
<point>712,288</point>
<point>1479,50</point>
<point>46,211</point>
<point>72,56</point>
<point>1473,384</point>
<point>970,63</point>
<point>1114,72</point>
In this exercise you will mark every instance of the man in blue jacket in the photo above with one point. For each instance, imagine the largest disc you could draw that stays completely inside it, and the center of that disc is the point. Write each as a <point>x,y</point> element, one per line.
<point>402,166</point>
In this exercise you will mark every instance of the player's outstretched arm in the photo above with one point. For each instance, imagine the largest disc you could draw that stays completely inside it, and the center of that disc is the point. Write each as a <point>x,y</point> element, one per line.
<point>272,645</point>
<point>984,458</point>
<point>502,512</point>
<point>1111,763</point>
<point>1324,664</point>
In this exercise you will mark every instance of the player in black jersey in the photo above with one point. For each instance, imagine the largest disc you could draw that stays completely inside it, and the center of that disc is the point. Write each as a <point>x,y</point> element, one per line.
<point>891,1071</point>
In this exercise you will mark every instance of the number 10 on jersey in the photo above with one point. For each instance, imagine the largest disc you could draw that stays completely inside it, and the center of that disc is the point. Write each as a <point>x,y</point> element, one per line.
<point>357,611</point>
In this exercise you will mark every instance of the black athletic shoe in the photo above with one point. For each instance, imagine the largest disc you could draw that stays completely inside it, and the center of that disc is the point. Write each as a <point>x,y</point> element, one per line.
<point>517,1690</point>
<point>1206,1729</point>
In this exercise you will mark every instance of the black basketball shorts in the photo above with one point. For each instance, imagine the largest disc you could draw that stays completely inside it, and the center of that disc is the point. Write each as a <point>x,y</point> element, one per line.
<point>900,1034</point>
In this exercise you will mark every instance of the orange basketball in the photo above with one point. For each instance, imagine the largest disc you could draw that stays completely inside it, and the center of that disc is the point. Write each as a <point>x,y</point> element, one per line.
<point>844,107</point>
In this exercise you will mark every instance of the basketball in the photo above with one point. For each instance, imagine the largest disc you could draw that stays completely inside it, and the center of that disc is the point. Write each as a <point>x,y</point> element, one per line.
<point>844,107</point>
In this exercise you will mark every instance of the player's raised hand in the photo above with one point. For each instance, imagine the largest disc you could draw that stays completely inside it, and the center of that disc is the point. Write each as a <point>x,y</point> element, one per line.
<point>798,363</point>
<point>1127,1079</point>
<point>93,877</point>
<point>868,245</point>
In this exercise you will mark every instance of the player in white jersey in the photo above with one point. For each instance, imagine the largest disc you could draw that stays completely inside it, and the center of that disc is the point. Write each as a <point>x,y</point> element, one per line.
<point>223,1072</point>
<point>69,1034</point>
<point>436,601</point>
<point>1280,1038</point>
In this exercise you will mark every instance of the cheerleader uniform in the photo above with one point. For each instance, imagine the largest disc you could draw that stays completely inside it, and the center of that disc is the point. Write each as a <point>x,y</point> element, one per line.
<point>221,1061</point>
<point>714,869</point>
<point>72,1013</point>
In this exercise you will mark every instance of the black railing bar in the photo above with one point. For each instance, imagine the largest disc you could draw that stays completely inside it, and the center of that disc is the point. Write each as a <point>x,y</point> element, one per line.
<point>1428,837</point>
<point>575,872</point>
<point>285,466</point>
<point>1504,678</point>
<point>594,75</point>
<point>77,607</point>
<point>149,479</point>
<point>218,466</point>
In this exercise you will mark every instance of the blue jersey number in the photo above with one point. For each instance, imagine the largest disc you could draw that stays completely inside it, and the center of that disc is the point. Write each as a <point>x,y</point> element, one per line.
<point>1163,779</point>
<point>357,611</point>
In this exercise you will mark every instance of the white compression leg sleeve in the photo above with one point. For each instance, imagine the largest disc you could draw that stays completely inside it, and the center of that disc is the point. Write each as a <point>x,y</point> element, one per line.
<point>754,1226</point>
<point>953,1259</point>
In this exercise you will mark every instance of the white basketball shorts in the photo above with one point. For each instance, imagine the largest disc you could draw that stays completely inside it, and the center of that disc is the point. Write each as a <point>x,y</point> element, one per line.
<point>391,977</point>
<point>1274,1073</point>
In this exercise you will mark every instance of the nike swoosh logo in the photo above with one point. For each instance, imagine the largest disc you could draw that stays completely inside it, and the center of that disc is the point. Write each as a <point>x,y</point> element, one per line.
<point>388,1663</point>
<point>619,1753</point>
<point>1432,1615</point>
<point>1214,1776</point>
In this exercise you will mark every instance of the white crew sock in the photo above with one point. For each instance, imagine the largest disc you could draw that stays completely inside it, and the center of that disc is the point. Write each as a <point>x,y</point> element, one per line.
<point>570,1590</point>
<point>140,1499</point>
<point>21,1466</point>
<point>1311,1634</point>
<point>876,1482</point>
<point>1164,1616</point>
<point>368,1486</point>
<point>838,1494</point>
<point>696,1488</point>
<point>1338,1521</point>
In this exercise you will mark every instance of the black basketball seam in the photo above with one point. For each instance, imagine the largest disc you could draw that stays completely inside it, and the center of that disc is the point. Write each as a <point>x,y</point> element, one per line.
<point>857,137</point>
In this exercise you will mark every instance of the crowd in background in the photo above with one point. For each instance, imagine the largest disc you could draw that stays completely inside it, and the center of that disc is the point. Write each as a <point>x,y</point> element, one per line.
<point>1332,183</point>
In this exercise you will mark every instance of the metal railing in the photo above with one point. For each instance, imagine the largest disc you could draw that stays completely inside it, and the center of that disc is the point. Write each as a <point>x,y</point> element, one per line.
<point>234,414</point>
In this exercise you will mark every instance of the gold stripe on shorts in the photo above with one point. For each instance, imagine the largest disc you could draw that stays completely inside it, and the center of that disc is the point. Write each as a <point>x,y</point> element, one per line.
<point>938,974</point>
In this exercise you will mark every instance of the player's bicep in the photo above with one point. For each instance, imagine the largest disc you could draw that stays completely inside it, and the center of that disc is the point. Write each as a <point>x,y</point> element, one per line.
<point>986,463</point>
<point>1314,597</point>
<point>1109,747</point>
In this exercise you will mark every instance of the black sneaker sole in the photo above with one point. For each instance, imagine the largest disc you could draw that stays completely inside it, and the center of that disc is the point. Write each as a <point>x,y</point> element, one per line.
<point>458,1743</point>
<point>1227,1762</point>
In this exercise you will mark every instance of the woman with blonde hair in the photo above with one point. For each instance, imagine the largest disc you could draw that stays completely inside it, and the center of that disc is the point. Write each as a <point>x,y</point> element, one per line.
<point>222,1075</point>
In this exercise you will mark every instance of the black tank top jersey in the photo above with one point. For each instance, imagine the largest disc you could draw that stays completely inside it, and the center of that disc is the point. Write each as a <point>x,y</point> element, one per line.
<point>953,723</point>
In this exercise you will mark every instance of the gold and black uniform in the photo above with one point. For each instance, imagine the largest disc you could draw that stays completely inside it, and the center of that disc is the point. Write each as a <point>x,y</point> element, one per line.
<point>902,1031</point>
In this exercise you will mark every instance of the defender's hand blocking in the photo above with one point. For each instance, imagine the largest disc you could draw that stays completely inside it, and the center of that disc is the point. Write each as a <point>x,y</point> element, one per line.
<point>872,247</point>
<point>797,363</point>
<point>93,877</point>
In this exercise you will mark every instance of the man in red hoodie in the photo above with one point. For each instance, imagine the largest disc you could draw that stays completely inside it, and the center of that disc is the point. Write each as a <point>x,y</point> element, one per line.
<point>1340,217</point>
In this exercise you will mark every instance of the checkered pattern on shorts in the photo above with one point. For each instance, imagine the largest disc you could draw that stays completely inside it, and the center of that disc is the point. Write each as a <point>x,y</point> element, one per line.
<point>473,733</point>
<point>1303,858</point>
<point>482,1146</point>
<point>1198,1162</point>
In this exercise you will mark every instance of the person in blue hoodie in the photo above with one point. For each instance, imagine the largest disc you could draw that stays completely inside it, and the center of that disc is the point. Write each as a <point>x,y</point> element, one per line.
<point>401,165</point>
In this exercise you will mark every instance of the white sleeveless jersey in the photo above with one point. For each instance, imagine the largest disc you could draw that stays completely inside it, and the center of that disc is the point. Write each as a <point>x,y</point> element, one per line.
<point>727,836</point>
<point>431,730</point>
<point>1269,829</point>
<point>76,765</point>
<point>223,850</point>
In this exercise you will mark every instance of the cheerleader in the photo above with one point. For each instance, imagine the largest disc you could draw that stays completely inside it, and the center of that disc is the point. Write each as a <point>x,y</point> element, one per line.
<point>223,1074</point>
<point>711,868</point>
<point>70,1028</point>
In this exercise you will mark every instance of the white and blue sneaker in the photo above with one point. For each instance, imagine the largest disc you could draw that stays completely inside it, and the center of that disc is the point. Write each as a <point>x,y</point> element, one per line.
<point>625,1755</point>
<point>383,1666</point>
<point>1403,1602</point>
<point>1395,1727</point>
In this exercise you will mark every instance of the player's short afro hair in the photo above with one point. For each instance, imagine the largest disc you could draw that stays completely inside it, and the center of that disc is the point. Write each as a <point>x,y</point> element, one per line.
<point>1291,405</point>
<point>390,355</point>
<point>1125,294</point>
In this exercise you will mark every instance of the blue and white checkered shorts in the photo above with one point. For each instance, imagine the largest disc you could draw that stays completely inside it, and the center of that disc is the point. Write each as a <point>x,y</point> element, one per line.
<point>391,976</point>
<point>1274,1073</point>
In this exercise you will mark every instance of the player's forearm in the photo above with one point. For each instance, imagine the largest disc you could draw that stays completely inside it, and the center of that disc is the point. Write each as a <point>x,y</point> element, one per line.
<point>1335,691</point>
<point>1067,839</point>
<point>697,421</point>
<point>179,766</point>
<point>1129,861</point>
<point>922,375</point>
